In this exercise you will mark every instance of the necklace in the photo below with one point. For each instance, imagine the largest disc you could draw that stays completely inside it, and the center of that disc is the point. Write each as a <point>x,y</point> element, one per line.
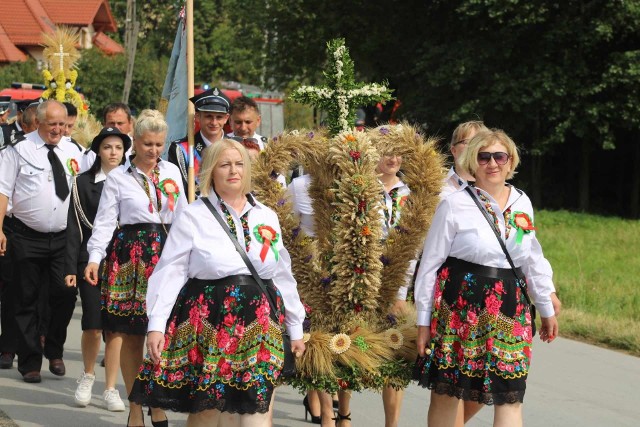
<point>155,180</point>
<point>489,208</point>
<point>244,220</point>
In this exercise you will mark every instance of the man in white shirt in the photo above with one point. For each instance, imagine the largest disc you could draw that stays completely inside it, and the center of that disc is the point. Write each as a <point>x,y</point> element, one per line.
<point>36,174</point>
<point>245,119</point>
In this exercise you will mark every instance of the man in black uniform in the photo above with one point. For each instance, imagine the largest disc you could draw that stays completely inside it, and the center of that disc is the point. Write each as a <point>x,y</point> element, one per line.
<point>212,112</point>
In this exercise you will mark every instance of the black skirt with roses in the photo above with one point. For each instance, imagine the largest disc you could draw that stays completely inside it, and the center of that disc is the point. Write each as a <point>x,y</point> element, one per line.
<point>131,257</point>
<point>480,335</point>
<point>223,350</point>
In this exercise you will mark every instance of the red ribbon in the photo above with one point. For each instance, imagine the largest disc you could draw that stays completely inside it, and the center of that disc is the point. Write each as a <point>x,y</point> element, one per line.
<point>265,248</point>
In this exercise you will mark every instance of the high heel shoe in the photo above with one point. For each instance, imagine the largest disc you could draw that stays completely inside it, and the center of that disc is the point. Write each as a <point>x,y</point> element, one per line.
<point>315,419</point>
<point>163,423</point>
<point>129,419</point>
<point>339,417</point>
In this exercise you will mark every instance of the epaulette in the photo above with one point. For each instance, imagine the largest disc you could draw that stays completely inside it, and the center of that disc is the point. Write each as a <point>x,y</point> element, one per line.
<point>80,147</point>
<point>13,142</point>
<point>178,141</point>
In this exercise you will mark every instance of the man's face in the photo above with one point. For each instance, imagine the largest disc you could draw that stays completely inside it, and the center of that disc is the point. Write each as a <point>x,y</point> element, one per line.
<point>118,119</point>
<point>212,124</point>
<point>52,129</point>
<point>244,123</point>
<point>71,123</point>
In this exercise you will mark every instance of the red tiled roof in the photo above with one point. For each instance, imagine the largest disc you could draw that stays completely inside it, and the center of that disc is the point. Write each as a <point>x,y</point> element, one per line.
<point>106,44</point>
<point>8,51</point>
<point>24,21</point>
<point>81,12</point>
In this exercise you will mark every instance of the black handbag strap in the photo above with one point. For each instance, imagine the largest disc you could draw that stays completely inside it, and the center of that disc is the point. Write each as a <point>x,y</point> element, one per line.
<point>502,245</point>
<point>242,253</point>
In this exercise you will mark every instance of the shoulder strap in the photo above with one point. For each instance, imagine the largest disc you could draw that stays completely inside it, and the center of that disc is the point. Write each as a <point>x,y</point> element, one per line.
<point>241,251</point>
<point>497,234</point>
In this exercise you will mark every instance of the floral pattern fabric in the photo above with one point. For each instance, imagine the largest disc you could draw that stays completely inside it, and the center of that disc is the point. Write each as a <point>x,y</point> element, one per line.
<point>223,350</point>
<point>481,338</point>
<point>134,253</point>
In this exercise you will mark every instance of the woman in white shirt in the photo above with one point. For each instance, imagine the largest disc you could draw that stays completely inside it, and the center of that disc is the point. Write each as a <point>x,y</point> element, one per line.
<point>215,346</point>
<point>138,204</point>
<point>474,321</point>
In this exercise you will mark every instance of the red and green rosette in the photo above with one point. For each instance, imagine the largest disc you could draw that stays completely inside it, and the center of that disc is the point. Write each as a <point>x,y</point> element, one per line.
<point>170,189</point>
<point>72,165</point>
<point>522,222</point>
<point>266,235</point>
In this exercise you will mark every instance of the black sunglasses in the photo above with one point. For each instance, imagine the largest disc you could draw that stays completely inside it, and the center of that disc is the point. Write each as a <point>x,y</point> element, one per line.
<point>500,157</point>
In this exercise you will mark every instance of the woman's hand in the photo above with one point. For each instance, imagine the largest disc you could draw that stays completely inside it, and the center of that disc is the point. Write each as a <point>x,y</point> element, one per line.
<point>423,340</point>
<point>70,280</point>
<point>297,347</point>
<point>549,329</point>
<point>155,344</point>
<point>557,305</point>
<point>91,273</point>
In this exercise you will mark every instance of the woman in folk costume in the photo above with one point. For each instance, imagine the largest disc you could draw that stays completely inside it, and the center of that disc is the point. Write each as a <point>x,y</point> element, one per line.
<point>216,318</point>
<point>481,261</point>
<point>139,202</point>
<point>350,275</point>
<point>109,146</point>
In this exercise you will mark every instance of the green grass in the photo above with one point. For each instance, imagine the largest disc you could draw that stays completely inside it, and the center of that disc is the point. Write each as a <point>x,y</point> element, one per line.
<point>596,266</point>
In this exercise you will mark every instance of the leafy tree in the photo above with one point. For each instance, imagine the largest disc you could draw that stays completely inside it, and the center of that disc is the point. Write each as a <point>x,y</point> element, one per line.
<point>25,72</point>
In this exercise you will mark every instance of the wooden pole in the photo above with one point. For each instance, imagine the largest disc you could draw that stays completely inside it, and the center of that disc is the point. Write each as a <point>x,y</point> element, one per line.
<point>190,107</point>
<point>131,41</point>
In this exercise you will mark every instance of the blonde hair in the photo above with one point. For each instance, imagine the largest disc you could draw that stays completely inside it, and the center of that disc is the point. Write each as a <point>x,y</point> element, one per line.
<point>463,129</point>
<point>210,159</point>
<point>149,121</point>
<point>483,139</point>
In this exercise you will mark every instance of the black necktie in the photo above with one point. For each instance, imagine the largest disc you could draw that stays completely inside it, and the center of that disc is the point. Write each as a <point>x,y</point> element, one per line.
<point>59,177</point>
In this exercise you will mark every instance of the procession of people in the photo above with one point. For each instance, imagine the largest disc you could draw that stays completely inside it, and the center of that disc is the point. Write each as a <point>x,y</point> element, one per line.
<point>202,306</point>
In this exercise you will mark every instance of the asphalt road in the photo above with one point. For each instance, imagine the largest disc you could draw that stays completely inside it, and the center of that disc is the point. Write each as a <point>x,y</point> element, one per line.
<point>570,384</point>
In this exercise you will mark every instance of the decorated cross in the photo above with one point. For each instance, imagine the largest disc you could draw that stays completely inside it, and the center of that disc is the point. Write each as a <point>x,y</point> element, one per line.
<point>61,53</point>
<point>342,95</point>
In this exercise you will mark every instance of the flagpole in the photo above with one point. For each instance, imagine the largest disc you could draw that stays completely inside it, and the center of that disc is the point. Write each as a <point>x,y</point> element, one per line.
<point>190,107</point>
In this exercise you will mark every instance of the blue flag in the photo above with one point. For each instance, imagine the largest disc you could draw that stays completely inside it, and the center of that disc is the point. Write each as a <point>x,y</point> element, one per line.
<point>175,87</point>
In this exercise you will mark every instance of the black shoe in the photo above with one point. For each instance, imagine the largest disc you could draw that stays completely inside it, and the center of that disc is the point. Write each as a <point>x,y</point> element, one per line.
<point>102,362</point>
<point>315,419</point>
<point>339,417</point>
<point>163,423</point>
<point>56,367</point>
<point>32,377</point>
<point>6,360</point>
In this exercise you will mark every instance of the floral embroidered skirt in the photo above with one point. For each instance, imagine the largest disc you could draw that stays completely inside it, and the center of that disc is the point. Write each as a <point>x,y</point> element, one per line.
<point>480,335</point>
<point>223,350</point>
<point>131,257</point>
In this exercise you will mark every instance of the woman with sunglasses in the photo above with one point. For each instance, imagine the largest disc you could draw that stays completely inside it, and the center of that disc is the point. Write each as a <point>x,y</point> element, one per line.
<point>474,320</point>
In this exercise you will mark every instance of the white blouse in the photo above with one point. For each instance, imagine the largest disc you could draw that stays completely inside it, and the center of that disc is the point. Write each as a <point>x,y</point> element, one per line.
<point>387,205</point>
<point>452,183</point>
<point>197,247</point>
<point>124,201</point>
<point>461,231</point>
<point>302,203</point>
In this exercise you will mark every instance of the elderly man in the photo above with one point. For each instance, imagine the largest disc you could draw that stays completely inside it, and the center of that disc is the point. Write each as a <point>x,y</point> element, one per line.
<point>36,174</point>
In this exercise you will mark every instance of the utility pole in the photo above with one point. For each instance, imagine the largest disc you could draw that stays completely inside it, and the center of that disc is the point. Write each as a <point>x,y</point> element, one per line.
<point>132,28</point>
